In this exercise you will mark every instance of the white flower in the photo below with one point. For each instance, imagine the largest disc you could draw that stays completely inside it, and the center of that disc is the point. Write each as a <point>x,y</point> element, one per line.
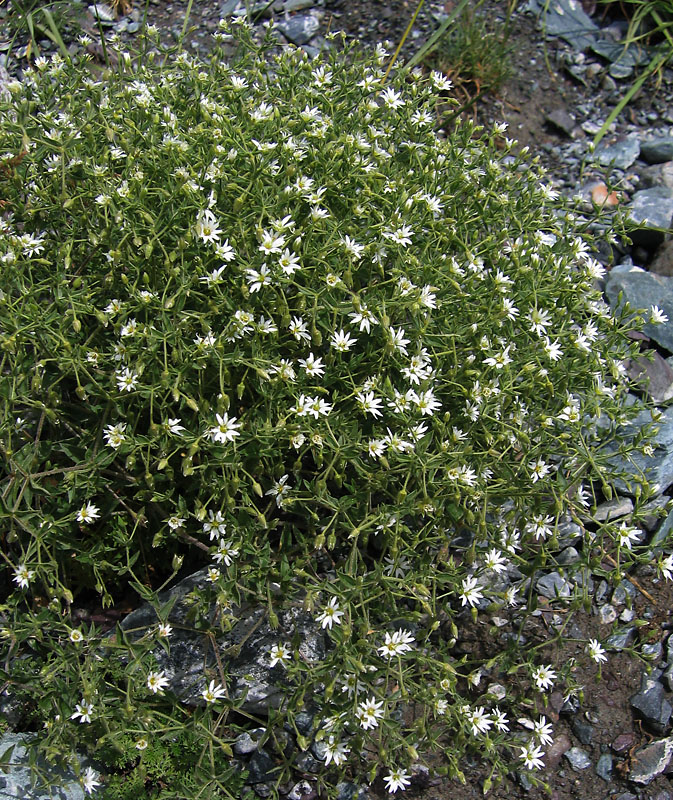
<point>543,731</point>
<point>539,321</point>
<point>400,236</point>
<point>441,82</point>
<point>398,341</point>
<point>312,365</point>
<point>23,576</point>
<point>157,682</point>
<point>369,712</point>
<point>342,341</point>
<point>88,513</point>
<point>666,567</point>
<point>272,242</point>
<point>206,226</point>
<point>279,654</point>
<point>164,629</point>
<point>471,593</point>
<point>370,404</point>
<point>90,780</point>
<point>173,426</point>
<point>76,636</point>
<point>543,677</point>
<point>364,318</point>
<point>225,552</point>
<point>397,779</point>
<point>142,744</point>
<point>539,469</point>
<point>213,692</point>
<point>126,380</point>
<point>479,720</point>
<point>495,560</point>
<point>396,644</point>
<point>225,430</point>
<point>299,330</point>
<point>330,614</point>
<point>335,751</point>
<point>279,490</point>
<point>355,249</point>
<point>628,535</point>
<point>596,651</point>
<point>499,360</point>
<point>426,402</point>
<point>391,98</point>
<point>500,719</point>
<point>657,316</point>
<point>83,711</point>
<point>531,755</point>
<point>114,435</point>
<point>289,262</point>
<point>258,278</point>
<point>376,448</point>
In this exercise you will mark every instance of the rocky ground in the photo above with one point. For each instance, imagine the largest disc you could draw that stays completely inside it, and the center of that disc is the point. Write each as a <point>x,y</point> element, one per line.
<point>615,742</point>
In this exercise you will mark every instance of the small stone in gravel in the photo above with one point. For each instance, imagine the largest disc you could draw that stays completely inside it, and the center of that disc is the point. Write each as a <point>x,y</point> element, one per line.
<point>247,742</point>
<point>582,729</point>
<point>652,705</point>
<point>300,28</point>
<point>350,791</point>
<point>650,209</point>
<point>650,761</point>
<point>562,121</point>
<point>307,763</point>
<point>623,591</point>
<point>607,614</point>
<point>604,767</point>
<point>301,791</point>
<point>621,639</point>
<point>559,746</point>
<point>578,758</point>
<point>568,556</point>
<point>662,263</point>
<point>259,767</point>
<point>613,509</point>
<point>656,151</point>
<point>553,585</point>
<point>623,742</point>
<point>653,652</point>
<point>657,175</point>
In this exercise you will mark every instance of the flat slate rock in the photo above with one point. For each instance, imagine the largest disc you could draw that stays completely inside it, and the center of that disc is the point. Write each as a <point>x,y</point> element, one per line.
<point>620,154</point>
<point>658,150</point>
<point>651,209</point>
<point>654,375</point>
<point>642,290</point>
<point>17,782</point>
<point>651,760</point>
<point>567,20</point>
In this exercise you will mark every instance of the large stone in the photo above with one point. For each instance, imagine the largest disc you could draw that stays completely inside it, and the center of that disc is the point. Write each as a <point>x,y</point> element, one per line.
<point>301,28</point>
<point>651,211</point>
<point>657,175</point>
<point>662,263</point>
<point>656,151</point>
<point>51,783</point>
<point>652,706</point>
<point>651,760</point>
<point>243,636</point>
<point>621,154</point>
<point>624,58</point>
<point>653,375</point>
<point>566,19</point>
<point>642,290</point>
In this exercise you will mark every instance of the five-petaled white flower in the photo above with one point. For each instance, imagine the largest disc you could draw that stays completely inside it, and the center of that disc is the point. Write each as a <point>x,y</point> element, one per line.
<point>225,552</point>
<point>596,651</point>
<point>90,780</point>
<point>23,576</point>
<point>369,712</point>
<point>471,593</point>
<point>397,779</point>
<point>531,755</point>
<point>539,469</point>
<point>312,365</point>
<point>114,435</point>
<point>225,430</point>
<point>628,535</point>
<point>396,643</point>
<point>279,654</point>
<point>279,490</point>
<point>657,316</point>
<point>335,751</point>
<point>157,682</point>
<point>212,693</point>
<point>331,614</point>
<point>88,514</point>
<point>126,380</point>
<point>164,629</point>
<point>83,711</point>
<point>543,731</point>
<point>342,341</point>
<point>666,567</point>
<point>76,636</point>
<point>369,403</point>
<point>543,677</point>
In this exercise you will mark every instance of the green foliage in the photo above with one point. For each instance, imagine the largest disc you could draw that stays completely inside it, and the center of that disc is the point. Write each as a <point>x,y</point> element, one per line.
<point>30,20</point>
<point>263,317</point>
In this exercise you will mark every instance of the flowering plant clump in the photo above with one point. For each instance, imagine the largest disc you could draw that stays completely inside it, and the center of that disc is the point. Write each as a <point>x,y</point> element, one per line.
<point>265,318</point>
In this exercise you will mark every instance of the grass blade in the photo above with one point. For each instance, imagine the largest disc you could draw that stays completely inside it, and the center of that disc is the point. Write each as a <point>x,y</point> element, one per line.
<point>431,44</point>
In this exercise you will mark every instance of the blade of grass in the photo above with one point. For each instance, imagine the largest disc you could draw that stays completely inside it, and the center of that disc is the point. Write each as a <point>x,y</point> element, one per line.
<point>54,35</point>
<point>432,42</point>
<point>185,23</point>
<point>656,63</point>
<point>402,40</point>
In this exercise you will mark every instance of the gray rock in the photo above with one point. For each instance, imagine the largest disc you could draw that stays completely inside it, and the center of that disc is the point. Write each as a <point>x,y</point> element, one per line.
<point>566,19</point>
<point>607,614</point>
<point>582,729</point>
<point>650,761</point>
<point>102,12</point>
<point>667,677</point>
<point>307,763</point>
<point>562,121</point>
<point>301,791</point>
<point>604,767</point>
<point>350,791</point>
<point>614,509</point>
<point>228,7</point>
<point>260,767</point>
<point>300,28</point>
<point>623,58</point>
<point>621,154</point>
<point>653,375</point>
<point>621,639</point>
<point>656,151</point>
<point>624,591</point>
<point>247,742</point>
<point>554,585</point>
<point>653,652</point>
<point>662,263</point>
<point>243,649</point>
<point>650,209</point>
<point>653,706</point>
<point>51,783</point>
<point>657,174</point>
<point>568,556</point>
<point>298,5</point>
<point>577,758</point>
